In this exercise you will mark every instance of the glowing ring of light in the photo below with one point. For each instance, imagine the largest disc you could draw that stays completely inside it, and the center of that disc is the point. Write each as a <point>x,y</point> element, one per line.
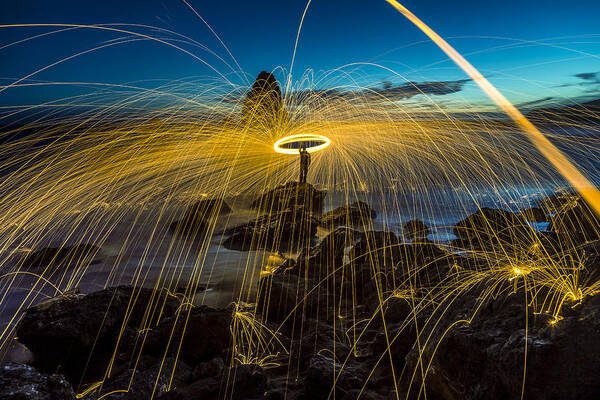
<point>301,138</point>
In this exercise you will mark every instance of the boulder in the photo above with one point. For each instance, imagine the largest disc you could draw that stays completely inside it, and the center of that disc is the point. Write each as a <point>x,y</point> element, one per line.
<point>206,369</point>
<point>366,395</point>
<point>150,378</point>
<point>286,230</point>
<point>485,359</point>
<point>207,208</point>
<point>374,253</point>
<point>356,214</point>
<point>534,214</point>
<point>287,297</point>
<point>396,309</point>
<point>247,381</point>
<point>321,335</point>
<point>194,230</point>
<point>494,230</point>
<point>66,257</point>
<point>205,389</point>
<point>382,252</point>
<point>197,337</point>
<point>194,220</point>
<point>23,382</point>
<point>290,195</point>
<point>323,371</point>
<point>576,221</point>
<point>79,333</point>
<point>278,296</point>
<point>415,230</point>
<point>399,340</point>
<point>244,382</point>
<point>323,259</point>
<point>423,264</point>
<point>375,245</point>
<point>397,266</point>
<point>588,255</point>
<point>555,202</point>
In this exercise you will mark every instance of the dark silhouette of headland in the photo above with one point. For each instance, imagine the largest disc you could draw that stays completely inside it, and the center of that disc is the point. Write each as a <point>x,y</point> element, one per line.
<point>263,106</point>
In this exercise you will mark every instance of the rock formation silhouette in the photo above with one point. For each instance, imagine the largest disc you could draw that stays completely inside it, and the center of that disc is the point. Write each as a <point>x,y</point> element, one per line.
<point>263,107</point>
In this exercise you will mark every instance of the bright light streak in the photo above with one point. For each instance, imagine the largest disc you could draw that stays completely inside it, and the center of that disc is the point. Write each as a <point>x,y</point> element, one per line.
<point>551,152</point>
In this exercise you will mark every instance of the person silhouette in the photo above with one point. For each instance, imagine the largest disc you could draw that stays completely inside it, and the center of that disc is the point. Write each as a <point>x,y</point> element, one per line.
<point>304,163</point>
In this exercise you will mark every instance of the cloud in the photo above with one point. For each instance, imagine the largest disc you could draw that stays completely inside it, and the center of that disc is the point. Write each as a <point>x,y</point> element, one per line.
<point>588,82</point>
<point>536,103</point>
<point>588,76</point>
<point>390,92</point>
<point>410,89</point>
<point>387,92</point>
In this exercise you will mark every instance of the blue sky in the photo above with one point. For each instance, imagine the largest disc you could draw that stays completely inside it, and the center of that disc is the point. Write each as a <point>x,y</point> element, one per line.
<point>532,50</point>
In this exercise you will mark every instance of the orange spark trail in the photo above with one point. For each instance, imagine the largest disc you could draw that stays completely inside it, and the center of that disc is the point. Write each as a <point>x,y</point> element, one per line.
<point>551,152</point>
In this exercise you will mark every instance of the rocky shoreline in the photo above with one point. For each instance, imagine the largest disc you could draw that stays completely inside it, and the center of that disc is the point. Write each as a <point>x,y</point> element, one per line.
<point>360,314</point>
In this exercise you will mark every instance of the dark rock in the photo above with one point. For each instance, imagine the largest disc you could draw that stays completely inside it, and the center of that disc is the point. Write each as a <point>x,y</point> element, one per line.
<point>145,382</point>
<point>204,389</point>
<point>287,266</point>
<point>494,230</point>
<point>397,338</point>
<point>327,256</point>
<point>263,107</point>
<point>356,214</point>
<point>287,230</point>
<point>210,368</point>
<point>375,245</point>
<point>580,114</point>
<point>290,195</point>
<point>364,395</point>
<point>415,230</point>
<point>400,273</point>
<point>555,202</point>
<point>534,214</point>
<point>383,253</point>
<point>589,254</point>
<point>199,336</point>
<point>56,258</point>
<point>287,297</point>
<point>248,381</point>
<point>278,296</point>
<point>195,230</point>
<point>244,382</point>
<point>80,333</point>
<point>208,208</point>
<point>323,372</point>
<point>576,220</point>
<point>23,382</point>
<point>396,309</point>
<point>194,220</point>
<point>550,242</point>
<point>321,336</point>
<point>375,253</point>
<point>423,264</point>
<point>560,357</point>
